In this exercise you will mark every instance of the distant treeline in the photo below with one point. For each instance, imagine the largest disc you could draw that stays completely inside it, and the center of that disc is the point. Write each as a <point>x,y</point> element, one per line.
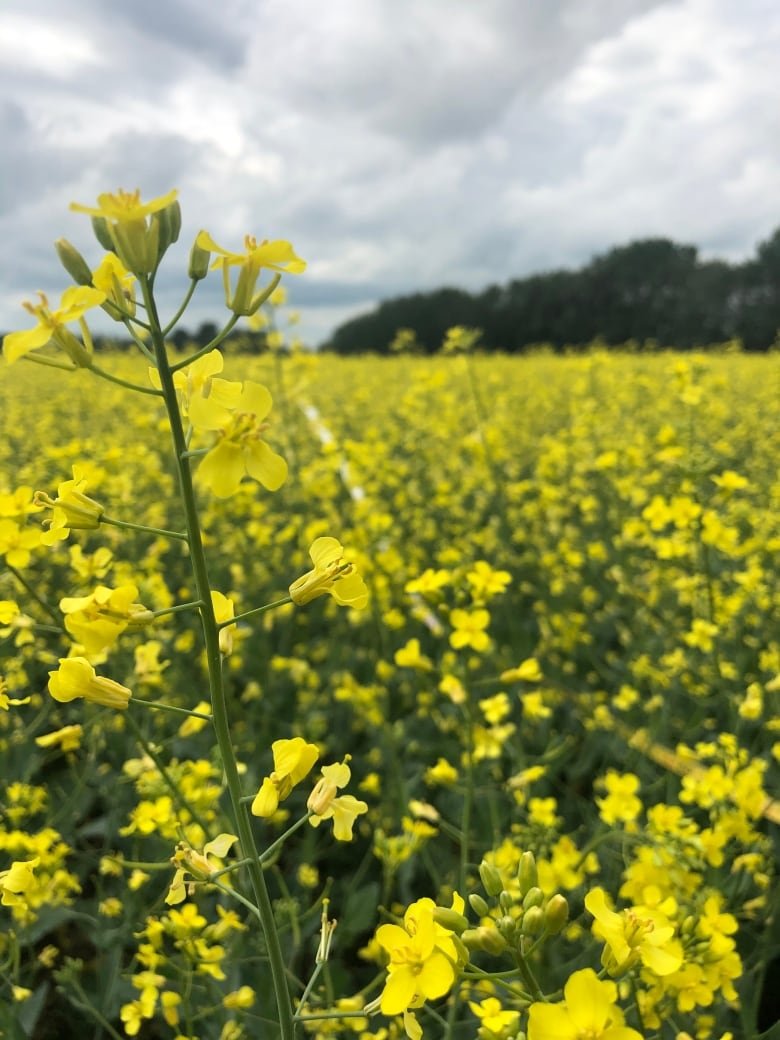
<point>650,290</point>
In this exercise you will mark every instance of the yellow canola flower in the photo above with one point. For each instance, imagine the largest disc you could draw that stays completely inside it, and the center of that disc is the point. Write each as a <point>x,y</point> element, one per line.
<point>469,629</point>
<point>324,805</point>
<point>293,760</point>
<point>276,256</point>
<point>526,671</point>
<point>96,621</point>
<point>224,611</point>
<point>112,278</point>
<point>125,207</point>
<point>239,448</point>
<point>422,959</point>
<point>68,738</point>
<point>199,865</point>
<point>72,510</point>
<point>332,574</point>
<point>589,1010</point>
<point>201,379</point>
<point>18,882</point>
<point>634,935</point>
<point>51,326</point>
<point>76,678</point>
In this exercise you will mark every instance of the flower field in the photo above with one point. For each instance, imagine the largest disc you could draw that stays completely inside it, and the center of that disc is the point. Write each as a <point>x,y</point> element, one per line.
<point>500,662</point>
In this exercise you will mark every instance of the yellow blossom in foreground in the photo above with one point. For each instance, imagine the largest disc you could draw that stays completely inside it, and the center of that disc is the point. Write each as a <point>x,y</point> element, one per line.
<point>137,240</point>
<point>76,677</point>
<point>96,621</point>
<point>240,447</point>
<point>293,760</point>
<point>51,326</point>
<point>276,256</point>
<point>588,1012</point>
<point>423,958</point>
<point>633,935</point>
<point>125,207</point>
<point>71,509</point>
<point>332,574</point>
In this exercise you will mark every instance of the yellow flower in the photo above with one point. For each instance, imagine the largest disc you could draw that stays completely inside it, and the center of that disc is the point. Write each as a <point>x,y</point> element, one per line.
<point>332,574</point>
<point>276,256</point>
<point>588,1012</point>
<point>244,997</point>
<point>293,760</point>
<point>117,283</point>
<point>495,1022</point>
<point>76,677</point>
<point>96,621</point>
<point>633,935</point>
<point>239,448</point>
<point>72,510</point>
<point>324,805</point>
<point>18,882</point>
<point>123,219</point>
<point>224,611</point>
<point>51,326</point>
<point>68,738</point>
<point>199,865</point>
<point>200,379</point>
<point>469,629</point>
<point>526,671</point>
<point>422,956</point>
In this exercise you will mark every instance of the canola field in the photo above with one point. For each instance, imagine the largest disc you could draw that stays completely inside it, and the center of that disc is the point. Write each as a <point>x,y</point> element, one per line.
<point>549,731</point>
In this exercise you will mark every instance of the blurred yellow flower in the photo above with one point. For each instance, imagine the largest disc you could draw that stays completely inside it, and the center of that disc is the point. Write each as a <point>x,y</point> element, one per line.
<point>332,574</point>
<point>76,677</point>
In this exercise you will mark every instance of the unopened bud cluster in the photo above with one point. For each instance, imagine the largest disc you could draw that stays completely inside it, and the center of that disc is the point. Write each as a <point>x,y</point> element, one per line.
<point>516,913</point>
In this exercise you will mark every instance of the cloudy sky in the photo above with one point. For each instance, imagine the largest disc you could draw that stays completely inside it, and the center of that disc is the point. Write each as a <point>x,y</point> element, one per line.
<point>398,144</point>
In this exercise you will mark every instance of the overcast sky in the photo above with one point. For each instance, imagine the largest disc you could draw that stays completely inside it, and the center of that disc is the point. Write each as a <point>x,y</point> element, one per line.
<point>398,144</point>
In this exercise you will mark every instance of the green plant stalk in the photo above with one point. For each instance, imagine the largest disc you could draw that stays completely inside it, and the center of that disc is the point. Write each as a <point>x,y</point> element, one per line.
<point>128,526</point>
<point>214,662</point>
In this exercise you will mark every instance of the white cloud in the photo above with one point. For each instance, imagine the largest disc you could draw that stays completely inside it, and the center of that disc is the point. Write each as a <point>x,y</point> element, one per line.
<point>398,143</point>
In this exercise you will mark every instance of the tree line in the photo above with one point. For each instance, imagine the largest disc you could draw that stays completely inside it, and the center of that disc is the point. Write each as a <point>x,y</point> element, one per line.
<point>652,291</point>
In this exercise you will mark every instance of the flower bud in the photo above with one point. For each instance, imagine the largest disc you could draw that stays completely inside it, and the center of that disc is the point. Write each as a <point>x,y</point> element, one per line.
<point>103,234</point>
<point>168,222</point>
<point>505,901</point>
<point>507,926</point>
<point>450,919</point>
<point>527,875</point>
<point>533,921</point>
<point>556,913</point>
<point>199,262</point>
<point>73,262</point>
<point>484,938</point>
<point>490,878</point>
<point>533,897</point>
<point>478,905</point>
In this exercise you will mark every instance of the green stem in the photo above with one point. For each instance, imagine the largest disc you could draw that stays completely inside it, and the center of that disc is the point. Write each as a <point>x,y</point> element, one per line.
<point>127,525</point>
<point>194,604</point>
<point>208,348</point>
<point>124,382</point>
<point>187,297</point>
<point>38,599</point>
<point>170,707</point>
<point>267,853</point>
<point>214,663</point>
<point>254,611</point>
<point>41,359</point>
